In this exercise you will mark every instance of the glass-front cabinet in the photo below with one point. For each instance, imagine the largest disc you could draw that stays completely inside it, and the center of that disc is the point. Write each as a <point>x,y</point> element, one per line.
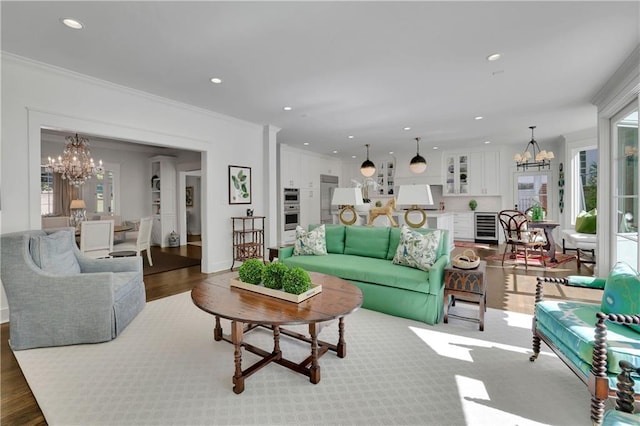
<point>385,177</point>
<point>457,174</point>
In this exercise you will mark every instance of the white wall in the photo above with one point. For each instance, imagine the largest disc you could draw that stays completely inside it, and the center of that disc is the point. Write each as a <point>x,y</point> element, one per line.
<point>35,95</point>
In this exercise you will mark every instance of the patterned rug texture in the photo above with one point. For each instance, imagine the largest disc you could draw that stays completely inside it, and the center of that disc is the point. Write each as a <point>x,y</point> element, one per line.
<point>533,260</point>
<point>165,368</point>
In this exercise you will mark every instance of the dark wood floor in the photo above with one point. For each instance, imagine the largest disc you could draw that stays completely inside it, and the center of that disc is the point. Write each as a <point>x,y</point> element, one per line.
<point>508,288</point>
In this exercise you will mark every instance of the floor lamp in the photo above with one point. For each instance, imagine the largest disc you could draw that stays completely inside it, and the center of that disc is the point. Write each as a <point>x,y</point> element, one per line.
<point>414,196</point>
<point>347,197</point>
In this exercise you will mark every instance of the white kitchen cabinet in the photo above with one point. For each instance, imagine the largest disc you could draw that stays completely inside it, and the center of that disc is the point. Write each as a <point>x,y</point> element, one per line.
<point>464,226</point>
<point>163,198</point>
<point>472,174</point>
<point>290,168</point>
<point>484,173</point>
<point>442,221</point>
<point>309,207</point>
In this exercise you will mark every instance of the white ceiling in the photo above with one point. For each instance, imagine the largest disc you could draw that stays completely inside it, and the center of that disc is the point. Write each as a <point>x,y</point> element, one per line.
<point>366,69</point>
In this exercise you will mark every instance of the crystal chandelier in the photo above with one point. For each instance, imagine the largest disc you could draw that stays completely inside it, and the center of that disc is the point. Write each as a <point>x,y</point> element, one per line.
<point>76,163</point>
<point>542,159</point>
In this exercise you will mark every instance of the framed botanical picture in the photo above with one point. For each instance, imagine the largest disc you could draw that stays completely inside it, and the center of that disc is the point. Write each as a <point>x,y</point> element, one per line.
<point>239,185</point>
<point>189,196</point>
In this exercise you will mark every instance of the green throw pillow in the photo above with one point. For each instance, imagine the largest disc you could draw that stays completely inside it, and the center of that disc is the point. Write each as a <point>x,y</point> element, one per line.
<point>310,243</point>
<point>416,250</point>
<point>622,292</point>
<point>586,222</point>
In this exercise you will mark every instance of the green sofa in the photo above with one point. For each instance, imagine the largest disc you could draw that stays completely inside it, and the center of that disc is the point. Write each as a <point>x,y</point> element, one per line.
<point>363,255</point>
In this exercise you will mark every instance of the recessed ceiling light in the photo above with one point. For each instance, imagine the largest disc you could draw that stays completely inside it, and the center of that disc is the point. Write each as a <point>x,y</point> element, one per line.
<point>216,80</point>
<point>287,108</point>
<point>487,142</point>
<point>435,147</point>
<point>335,152</point>
<point>493,57</point>
<point>353,156</point>
<point>350,136</point>
<point>306,144</point>
<point>72,23</point>
<point>407,128</point>
<point>390,152</point>
<point>478,117</point>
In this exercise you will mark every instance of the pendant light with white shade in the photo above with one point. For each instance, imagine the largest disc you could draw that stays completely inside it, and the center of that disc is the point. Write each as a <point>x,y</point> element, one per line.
<point>367,168</point>
<point>418,163</point>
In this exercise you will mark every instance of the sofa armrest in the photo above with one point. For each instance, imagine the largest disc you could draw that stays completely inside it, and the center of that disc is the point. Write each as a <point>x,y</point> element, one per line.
<point>284,252</point>
<point>436,275</point>
<point>116,264</point>
<point>571,281</point>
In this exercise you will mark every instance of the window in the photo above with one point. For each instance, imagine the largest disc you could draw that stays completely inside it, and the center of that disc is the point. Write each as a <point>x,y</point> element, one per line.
<point>584,188</point>
<point>46,192</point>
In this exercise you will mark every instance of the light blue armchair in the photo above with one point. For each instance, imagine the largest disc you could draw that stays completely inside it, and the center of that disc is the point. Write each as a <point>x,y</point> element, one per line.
<point>59,297</point>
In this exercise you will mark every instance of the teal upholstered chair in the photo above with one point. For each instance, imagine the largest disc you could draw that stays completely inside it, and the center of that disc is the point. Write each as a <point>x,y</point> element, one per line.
<point>57,296</point>
<point>593,339</point>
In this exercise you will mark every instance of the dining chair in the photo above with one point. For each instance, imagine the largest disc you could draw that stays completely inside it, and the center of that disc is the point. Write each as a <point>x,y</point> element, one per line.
<point>118,237</point>
<point>96,238</point>
<point>519,237</point>
<point>142,242</point>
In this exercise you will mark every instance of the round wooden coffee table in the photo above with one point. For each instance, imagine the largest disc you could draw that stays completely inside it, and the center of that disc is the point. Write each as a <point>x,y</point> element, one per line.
<point>248,310</point>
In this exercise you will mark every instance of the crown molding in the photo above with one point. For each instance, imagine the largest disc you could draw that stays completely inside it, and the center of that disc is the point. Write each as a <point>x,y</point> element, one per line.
<point>21,60</point>
<point>621,88</point>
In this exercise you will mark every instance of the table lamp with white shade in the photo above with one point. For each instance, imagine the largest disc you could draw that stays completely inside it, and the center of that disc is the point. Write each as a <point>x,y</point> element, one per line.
<point>347,197</point>
<point>414,196</point>
<point>78,212</point>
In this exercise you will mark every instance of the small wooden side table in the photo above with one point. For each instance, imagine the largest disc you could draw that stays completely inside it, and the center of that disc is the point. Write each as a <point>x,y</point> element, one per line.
<point>469,285</point>
<point>273,251</point>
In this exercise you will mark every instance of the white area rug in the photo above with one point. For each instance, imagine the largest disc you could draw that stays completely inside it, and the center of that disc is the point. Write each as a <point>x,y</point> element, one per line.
<point>167,369</point>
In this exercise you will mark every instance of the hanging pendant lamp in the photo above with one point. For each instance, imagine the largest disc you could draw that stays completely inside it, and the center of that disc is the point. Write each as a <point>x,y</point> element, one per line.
<point>367,168</point>
<point>418,163</point>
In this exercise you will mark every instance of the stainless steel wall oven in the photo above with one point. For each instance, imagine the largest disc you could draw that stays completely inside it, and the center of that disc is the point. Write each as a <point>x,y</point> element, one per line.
<point>291,208</point>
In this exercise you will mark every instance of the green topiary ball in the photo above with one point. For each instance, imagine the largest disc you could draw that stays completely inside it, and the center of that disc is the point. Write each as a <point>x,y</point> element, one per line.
<point>251,271</point>
<point>296,281</point>
<point>273,274</point>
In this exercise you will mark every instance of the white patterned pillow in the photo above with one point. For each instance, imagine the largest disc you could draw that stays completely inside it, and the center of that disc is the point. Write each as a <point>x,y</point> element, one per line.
<point>310,243</point>
<point>417,250</point>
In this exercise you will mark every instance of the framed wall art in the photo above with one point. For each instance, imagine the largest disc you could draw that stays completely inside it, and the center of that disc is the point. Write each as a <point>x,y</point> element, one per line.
<point>189,192</point>
<point>239,185</point>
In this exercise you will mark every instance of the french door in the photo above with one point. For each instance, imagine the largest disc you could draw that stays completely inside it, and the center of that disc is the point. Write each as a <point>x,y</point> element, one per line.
<point>624,138</point>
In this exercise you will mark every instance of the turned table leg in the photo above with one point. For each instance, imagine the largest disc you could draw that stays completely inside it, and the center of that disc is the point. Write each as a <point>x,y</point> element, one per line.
<point>341,349</point>
<point>236,338</point>
<point>217,331</point>
<point>314,371</point>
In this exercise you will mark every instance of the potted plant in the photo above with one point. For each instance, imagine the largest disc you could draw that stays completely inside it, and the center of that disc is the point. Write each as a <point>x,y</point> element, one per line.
<point>296,281</point>
<point>250,271</point>
<point>473,204</point>
<point>273,275</point>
